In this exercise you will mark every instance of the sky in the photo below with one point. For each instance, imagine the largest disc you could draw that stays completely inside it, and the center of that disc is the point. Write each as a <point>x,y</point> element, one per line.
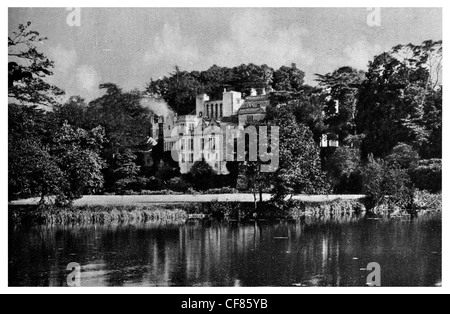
<point>130,46</point>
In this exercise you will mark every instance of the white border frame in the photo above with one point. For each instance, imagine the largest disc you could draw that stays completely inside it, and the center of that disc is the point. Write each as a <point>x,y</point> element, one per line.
<point>198,291</point>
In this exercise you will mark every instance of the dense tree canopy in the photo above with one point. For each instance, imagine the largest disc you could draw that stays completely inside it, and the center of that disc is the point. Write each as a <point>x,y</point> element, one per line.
<point>180,88</point>
<point>42,162</point>
<point>300,169</point>
<point>388,122</point>
<point>341,89</point>
<point>401,101</point>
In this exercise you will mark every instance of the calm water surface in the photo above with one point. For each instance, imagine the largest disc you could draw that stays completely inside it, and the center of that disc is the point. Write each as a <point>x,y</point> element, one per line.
<point>315,252</point>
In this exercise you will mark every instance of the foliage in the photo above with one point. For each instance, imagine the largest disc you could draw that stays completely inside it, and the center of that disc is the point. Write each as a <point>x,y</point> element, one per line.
<point>403,156</point>
<point>66,164</point>
<point>299,170</point>
<point>28,68</point>
<point>400,100</point>
<point>201,175</point>
<point>32,171</point>
<point>341,89</point>
<point>178,184</point>
<point>388,184</point>
<point>125,121</point>
<point>125,173</point>
<point>344,168</point>
<point>165,171</point>
<point>224,190</point>
<point>427,175</point>
<point>77,153</point>
<point>180,88</point>
<point>74,112</point>
<point>288,79</point>
<point>306,106</point>
<point>429,202</point>
<point>126,124</point>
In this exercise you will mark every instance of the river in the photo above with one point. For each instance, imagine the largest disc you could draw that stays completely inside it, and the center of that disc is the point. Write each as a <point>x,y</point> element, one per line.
<point>314,252</point>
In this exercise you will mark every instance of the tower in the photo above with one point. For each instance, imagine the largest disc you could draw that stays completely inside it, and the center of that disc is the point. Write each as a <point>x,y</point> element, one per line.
<point>232,101</point>
<point>200,105</point>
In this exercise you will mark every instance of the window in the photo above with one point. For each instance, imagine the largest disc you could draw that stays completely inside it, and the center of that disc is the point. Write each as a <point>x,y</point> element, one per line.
<point>183,143</point>
<point>191,158</point>
<point>191,144</point>
<point>250,119</point>
<point>203,143</point>
<point>213,142</point>
<point>183,159</point>
<point>221,110</point>
<point>217,111</point>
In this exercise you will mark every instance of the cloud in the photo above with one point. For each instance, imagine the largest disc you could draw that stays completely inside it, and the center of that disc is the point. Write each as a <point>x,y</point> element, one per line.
<point>360,53</point>
<point>64,59</point>
<point>172,48</point>
<point>248,36</point>
<point>87,78</point>
<point>255,38</point>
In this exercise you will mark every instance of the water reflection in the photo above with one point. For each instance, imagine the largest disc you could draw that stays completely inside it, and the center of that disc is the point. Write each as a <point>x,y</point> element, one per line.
<point>315,252</point>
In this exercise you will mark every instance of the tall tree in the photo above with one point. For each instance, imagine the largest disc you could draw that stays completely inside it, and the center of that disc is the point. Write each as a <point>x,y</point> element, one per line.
<point>307,107</point>
<point>77,154</point>
<point>44,161</point>
<point>300,169</point>
<point>73,111</point>
<point>289,79</point>
<point>32,171</point>
<point>400,100</point>
<point>126,122</point>
<point>179,90</point>
<point>28,69</point>
<point>341,89</point>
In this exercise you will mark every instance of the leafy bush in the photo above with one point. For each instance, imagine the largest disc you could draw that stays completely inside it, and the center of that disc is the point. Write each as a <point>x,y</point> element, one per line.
<point>162,192</point>
<point>344,169</point>
<point>427,175</point>
<point>387,184</point>
<point>403,156</point>
<point>155,184</point>
<point>201,176</point>
<point>426,201</point>
<point>178,185</point>
<point>224,190</point>
<point>192,191</point>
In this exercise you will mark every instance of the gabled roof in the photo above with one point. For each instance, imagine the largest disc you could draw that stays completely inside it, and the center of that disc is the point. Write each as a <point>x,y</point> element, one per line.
<point>255,105</point>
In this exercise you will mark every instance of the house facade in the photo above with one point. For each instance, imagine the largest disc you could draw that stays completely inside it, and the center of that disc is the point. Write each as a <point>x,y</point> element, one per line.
<point>205,134</point>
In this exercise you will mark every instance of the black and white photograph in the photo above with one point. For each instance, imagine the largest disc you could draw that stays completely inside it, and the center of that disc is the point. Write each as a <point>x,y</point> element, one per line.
<point>224,147</point>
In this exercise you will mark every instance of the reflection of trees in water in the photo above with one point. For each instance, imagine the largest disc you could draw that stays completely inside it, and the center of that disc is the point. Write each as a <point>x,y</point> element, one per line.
<point>313,252</point>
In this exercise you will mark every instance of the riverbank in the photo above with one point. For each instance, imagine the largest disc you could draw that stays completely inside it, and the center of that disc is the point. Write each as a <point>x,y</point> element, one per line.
<point>179,209</point>
<point>177,213</point>
<point>143,200</point>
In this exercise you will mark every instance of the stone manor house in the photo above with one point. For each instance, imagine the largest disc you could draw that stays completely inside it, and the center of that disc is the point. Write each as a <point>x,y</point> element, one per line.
<point>186,133</point>
<point>230,112</point>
